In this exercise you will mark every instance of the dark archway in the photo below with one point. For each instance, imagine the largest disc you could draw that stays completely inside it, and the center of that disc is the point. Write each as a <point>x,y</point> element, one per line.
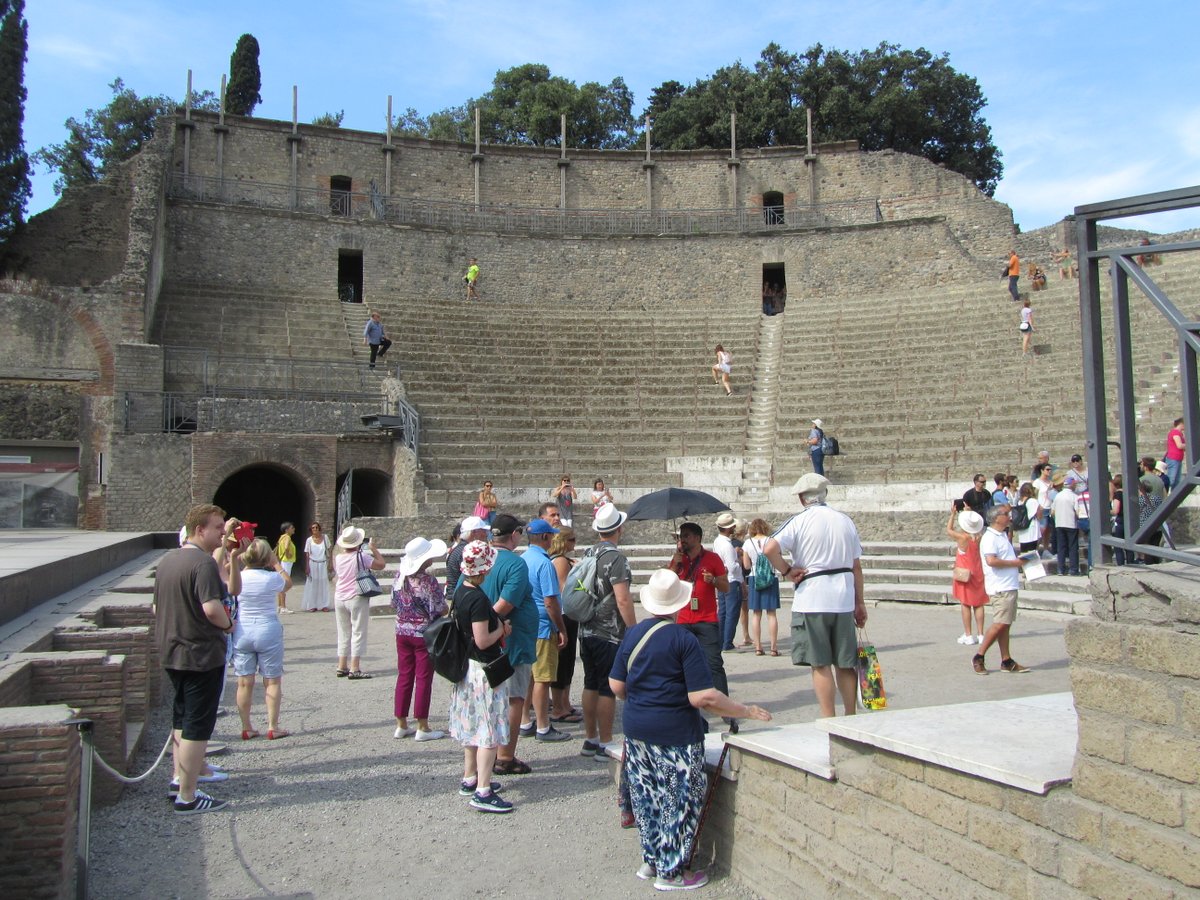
<point>773,212</point>
<point>370,493</point>
<point>268,496</point>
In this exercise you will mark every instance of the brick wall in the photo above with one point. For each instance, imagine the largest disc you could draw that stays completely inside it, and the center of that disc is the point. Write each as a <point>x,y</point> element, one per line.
<point>39,802</point>
<point>132,643</point>
<point>1127,826</point>
<point>149,482</point>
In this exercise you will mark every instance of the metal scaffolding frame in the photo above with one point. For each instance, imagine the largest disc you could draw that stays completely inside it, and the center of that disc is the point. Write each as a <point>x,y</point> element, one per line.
<point>1122,267</point>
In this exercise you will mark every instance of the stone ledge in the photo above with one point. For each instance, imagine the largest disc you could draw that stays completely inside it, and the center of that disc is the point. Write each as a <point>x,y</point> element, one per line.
<point>1027,743</point>
<point>803,746</point>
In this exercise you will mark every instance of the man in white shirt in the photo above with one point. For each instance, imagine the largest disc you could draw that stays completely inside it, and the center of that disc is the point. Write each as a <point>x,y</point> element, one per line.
<point>1001,579</point>
<point>729,603</point>
<point>823,542</point>
<point>1067,528</point>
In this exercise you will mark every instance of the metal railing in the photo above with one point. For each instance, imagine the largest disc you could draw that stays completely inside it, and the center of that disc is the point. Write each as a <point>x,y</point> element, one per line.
<point>411,435</point>
<point>1121,265</point>
<point>466,216</point>
<point>189,369</point>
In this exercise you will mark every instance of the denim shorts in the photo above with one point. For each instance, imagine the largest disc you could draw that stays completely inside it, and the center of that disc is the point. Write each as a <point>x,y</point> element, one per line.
<point>258,648</point>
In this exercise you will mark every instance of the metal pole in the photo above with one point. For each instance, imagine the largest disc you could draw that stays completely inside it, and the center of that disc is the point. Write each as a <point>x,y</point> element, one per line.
<point>84,835</point>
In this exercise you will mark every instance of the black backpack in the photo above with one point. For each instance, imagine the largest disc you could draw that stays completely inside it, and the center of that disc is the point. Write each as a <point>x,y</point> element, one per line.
<point>1020,517</point>
<point>447,647</point>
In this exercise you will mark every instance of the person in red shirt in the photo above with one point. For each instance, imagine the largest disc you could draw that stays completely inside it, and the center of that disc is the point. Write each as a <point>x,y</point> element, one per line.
<point>707,575</point>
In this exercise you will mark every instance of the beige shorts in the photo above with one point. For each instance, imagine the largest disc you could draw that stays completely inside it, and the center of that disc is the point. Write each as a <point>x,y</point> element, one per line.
<point>545,667</point>
<point>1004,607</point>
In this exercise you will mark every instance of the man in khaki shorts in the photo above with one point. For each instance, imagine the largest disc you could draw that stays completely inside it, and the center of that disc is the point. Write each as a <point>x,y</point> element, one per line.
<point>552,631</point>
<point>1001,579</point>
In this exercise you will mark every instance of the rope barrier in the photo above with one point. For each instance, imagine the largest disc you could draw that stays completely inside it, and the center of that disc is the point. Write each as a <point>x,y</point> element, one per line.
<point>126,779</point>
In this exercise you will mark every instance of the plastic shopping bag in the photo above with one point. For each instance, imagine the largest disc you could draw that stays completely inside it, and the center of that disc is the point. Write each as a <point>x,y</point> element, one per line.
<point>870,675</point>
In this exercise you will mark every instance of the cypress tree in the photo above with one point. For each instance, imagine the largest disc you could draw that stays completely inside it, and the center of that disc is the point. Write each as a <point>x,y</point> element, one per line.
<point>14,163</point>
<point>245,79</point>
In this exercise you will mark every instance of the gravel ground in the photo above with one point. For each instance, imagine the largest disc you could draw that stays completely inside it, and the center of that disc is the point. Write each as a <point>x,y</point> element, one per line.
<point>342,809</point>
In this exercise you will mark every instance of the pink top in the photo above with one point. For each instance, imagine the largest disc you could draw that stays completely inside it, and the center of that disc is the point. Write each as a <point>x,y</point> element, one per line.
<point>1174,452</point>
<point>345,574</point>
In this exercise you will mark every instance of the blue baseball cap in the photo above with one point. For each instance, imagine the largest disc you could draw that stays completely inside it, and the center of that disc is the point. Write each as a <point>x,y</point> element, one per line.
<point>541,526</point>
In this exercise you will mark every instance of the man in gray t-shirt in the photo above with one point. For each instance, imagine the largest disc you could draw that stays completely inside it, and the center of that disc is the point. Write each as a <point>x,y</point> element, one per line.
<point>599,638</point>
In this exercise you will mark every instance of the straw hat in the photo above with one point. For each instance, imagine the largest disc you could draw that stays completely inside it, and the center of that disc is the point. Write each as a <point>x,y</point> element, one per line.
<point>726,520</point>
<point>418,551</point>
<point>970,521</point>
<point>351,538</point>
<point>664,593</point>
<point>608,518</point>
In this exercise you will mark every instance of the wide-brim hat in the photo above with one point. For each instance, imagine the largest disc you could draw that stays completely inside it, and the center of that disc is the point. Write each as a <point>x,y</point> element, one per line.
<point>726,520</point>
<point>418,551</point>
<point>970,521</point>
<point>351,537</point>
<point>1160,467</point>
<point>818,423</point>
<point>608,518</point>
<point>664,593</point>
<point>477,559</point>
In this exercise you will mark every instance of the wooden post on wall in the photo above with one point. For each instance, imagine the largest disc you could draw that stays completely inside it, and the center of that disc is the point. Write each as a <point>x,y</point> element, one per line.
<point>648,168</point>
<point>810,161</point>
<point>294,144</point>
<point>221,130</point>
<point>477,159</point>
<point>388,149</point>
<point>734,162</point>
<point>187,125</point>
<point>563,165</point>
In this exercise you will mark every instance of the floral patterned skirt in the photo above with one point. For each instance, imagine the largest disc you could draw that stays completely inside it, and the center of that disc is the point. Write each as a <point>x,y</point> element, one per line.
<point>479,712</point>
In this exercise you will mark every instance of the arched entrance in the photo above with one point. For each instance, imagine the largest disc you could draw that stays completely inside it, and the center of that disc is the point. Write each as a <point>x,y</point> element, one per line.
<point>370,493</point>
<point>268,496</point>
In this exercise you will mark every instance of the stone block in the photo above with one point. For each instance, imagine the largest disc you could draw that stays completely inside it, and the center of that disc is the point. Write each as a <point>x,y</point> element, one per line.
<point>1122,788</point>
<point>1163,851</point>
<point>1102,735</point>
<point>1105,879</point>
<point>968,787</point>
<point>1166,754</point>
<point>1094,641</point>
<point>898,824</point>
<point>941,809</point>
<point>1160,650</point>
<point>982,866</point>
<point>1140,697</point>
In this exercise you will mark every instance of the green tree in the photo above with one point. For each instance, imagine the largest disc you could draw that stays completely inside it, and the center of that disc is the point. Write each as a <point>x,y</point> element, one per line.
<point>887,98</point>
<point>330,120</point>
<point>525,104</point>
<point>14,163</point>
<point>104,138</point>
<point>245,79</point>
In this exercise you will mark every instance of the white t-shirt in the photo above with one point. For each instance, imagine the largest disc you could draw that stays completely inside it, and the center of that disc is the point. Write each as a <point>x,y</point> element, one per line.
<point>1043,492</point>
<point>723,547</point>
<point>256,600</point>
<point>1064,508</point>
<point>819,538</point>
<point>996,543</point>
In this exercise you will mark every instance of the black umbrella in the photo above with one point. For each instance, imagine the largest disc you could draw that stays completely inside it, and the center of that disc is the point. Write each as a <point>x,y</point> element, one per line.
<point>674,503</point>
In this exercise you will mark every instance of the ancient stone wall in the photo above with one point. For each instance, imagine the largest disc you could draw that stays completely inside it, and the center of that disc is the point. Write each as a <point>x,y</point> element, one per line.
<point>149,482</point>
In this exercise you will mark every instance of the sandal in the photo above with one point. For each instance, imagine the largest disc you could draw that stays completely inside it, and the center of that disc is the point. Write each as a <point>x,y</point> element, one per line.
<point>341,673</point>
<point>573,716</point>
<point>277,733</point>
<point>758,653</point>
<point>774,652</point>
<point>247,735</point>
<point>512,766</point>
<point>358,676</point>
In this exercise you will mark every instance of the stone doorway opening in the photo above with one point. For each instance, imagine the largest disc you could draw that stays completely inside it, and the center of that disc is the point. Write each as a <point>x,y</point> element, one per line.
<point>370,493</point>
<point>774,289</point>
<point>773,213</point>
<point>350,276</point>
<point>268,496</point>
<point>339,195</point>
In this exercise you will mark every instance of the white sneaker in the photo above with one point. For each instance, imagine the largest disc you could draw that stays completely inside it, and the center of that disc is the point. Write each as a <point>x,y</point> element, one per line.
<point>979,638</point>
<point>429,735</point>
<point>966,639</point>
<point>403,732</point>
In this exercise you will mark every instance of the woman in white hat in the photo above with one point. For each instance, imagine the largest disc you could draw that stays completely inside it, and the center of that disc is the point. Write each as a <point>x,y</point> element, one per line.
<point>663,676</point>
<point>351,609</point>
<point>968,570</point>
<point>478,711</point>
<point>418,599</point>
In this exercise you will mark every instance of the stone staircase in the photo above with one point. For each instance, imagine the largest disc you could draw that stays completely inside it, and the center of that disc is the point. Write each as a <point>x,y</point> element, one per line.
<point>758,458</point>
<point>893,572</point>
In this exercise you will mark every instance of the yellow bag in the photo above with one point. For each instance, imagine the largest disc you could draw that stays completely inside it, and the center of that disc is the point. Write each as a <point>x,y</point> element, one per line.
<point>870,675</point>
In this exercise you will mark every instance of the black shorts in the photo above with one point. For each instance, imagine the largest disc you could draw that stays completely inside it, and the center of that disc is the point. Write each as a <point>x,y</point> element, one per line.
<point>197,699</point>
<point>597,656</point>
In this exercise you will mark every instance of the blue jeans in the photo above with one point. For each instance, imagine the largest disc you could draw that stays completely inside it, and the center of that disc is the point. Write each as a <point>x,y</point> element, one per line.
<point>1068,550</point>
<point>818,460</point>
<point>1173,467</point>
<point>729,608</point>
<point>1085,527</point>
<point>709,636</point>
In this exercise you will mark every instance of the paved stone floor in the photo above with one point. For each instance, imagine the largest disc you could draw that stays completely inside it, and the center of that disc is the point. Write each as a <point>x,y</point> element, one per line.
<point>341,809</point>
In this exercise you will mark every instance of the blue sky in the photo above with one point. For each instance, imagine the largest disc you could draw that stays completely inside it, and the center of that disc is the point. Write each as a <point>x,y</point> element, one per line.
<point>1085,105</point>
